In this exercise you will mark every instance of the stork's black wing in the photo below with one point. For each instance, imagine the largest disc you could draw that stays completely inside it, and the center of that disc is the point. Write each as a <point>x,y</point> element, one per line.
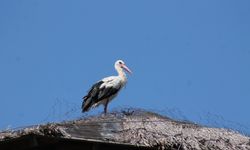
<point>97,93</point>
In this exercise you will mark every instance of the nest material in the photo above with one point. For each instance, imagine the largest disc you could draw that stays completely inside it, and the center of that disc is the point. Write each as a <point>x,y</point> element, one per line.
<point>141,128</point>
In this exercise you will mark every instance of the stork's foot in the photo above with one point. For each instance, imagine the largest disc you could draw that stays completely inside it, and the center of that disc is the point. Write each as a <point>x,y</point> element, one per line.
<point>103,114</point>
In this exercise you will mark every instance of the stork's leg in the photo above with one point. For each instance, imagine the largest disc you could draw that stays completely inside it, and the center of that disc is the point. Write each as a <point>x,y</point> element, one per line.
<point>106,107</point>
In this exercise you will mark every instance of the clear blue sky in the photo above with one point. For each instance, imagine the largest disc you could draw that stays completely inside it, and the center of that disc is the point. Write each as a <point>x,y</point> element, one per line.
<point>191,57</point>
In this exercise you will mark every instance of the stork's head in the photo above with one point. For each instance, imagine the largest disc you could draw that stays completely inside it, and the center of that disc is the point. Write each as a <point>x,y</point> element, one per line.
<point>120,65</point>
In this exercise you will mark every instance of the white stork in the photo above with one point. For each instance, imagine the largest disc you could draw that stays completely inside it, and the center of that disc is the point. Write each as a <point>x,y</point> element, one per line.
<point>106,89</point>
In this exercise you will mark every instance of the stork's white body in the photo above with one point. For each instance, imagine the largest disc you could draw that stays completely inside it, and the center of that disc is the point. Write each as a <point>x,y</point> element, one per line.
<point>106,89</point>
<point>114,82</point>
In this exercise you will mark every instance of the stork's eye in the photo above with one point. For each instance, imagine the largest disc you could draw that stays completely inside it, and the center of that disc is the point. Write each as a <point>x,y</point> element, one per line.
<point>120,62</point>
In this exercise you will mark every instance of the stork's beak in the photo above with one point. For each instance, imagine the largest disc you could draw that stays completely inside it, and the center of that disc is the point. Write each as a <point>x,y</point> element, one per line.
<point>126,68</point>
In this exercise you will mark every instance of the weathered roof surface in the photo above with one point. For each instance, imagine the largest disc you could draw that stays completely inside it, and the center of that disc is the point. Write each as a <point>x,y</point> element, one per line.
<point>140,128</point>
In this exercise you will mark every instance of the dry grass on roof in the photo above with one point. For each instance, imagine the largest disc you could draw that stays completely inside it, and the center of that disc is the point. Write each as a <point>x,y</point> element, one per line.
<point>141,128</point>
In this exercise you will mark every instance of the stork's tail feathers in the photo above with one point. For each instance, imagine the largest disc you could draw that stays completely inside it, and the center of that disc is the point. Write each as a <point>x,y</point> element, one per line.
<point>86,104</point>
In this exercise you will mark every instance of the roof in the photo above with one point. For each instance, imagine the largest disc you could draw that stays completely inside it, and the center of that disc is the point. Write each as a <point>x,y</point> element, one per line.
<point>128,128</point>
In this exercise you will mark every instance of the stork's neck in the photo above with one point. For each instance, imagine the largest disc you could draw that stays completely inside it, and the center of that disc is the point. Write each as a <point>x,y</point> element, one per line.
<point>121,73</point>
